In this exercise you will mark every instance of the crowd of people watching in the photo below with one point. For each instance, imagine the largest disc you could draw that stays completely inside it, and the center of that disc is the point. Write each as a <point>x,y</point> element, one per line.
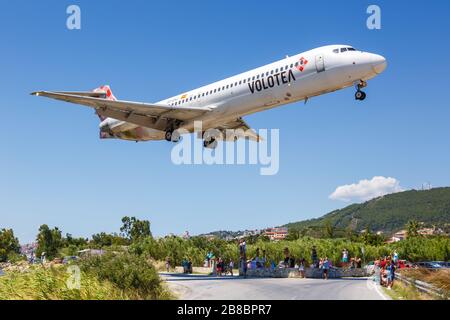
<point>324,264</point>
<point>384,270</point>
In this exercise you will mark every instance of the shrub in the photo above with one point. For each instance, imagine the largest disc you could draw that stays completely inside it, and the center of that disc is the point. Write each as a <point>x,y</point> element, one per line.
<point>129,272</point>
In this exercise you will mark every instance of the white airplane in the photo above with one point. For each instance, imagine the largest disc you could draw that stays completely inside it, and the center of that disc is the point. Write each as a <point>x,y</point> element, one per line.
<point>221,105</point>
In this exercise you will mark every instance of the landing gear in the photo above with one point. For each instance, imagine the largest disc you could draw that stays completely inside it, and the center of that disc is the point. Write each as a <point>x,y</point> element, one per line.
<point>172,136</point>
<point>360,95</point>
<point>168,135</point>
<point>210,144</point>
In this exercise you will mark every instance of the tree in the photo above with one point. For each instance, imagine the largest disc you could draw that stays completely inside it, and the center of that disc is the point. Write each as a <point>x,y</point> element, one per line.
<point>412,228</point>
<point>329,229</point>
<point>373,239</point>
<point>100,240</point>
<point>293,234</point>
<point>135,229</point>
<point>49,241</point>
<point>8,244</point>
<point>69,240</point>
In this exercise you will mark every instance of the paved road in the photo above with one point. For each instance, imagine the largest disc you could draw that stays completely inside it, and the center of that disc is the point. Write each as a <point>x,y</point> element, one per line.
<point>200,287</point>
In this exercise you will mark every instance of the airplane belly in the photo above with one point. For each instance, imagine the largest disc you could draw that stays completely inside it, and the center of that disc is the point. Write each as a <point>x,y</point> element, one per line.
<point>140,134</point>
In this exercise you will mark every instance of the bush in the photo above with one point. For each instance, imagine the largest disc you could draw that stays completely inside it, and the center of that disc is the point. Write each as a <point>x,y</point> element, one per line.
<point>130,273</point>
<point>196,249</point>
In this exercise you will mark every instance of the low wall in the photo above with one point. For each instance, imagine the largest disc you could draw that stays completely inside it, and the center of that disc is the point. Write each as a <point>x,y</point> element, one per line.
<point>201,270</point>
<point>309,273</point>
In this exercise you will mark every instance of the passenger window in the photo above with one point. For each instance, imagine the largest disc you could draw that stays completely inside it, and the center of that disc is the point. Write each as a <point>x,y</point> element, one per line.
<point>240,82</point>
<point>292,65</point>
<point>276,70</point>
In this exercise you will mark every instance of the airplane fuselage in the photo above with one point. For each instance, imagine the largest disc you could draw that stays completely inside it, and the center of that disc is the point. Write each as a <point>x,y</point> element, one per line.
<point>299,77</point>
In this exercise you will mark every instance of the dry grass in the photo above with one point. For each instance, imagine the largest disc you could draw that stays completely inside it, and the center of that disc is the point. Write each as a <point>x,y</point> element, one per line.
<point>401,291</point>
<point>439,278</point>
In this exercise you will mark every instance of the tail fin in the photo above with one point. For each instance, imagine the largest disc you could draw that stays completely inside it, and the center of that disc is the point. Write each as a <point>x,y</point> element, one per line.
<point>108,95</point>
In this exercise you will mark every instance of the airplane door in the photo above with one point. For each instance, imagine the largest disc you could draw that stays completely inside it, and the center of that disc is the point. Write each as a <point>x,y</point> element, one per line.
<point>320,63</point>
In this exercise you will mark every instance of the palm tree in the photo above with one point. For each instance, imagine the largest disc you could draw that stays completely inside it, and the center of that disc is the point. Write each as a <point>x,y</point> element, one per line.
<point>412,228</point>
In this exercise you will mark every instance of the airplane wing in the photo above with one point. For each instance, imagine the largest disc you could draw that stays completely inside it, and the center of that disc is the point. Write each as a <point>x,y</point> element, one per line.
<point>246,133</point>
<point>142,114</point>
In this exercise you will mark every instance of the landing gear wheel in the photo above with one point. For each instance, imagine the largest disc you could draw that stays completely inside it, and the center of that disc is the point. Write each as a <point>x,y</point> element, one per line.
<point>210,144</point>
<point>168,135</point>
<point>176,137</point>
<point>360,95</point>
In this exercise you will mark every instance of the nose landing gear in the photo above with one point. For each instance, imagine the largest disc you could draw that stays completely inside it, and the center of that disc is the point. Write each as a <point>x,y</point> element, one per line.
<point>360,95</point>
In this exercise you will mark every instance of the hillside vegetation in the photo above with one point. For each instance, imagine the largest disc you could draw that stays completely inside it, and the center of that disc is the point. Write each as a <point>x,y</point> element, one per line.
<point>389,213</point>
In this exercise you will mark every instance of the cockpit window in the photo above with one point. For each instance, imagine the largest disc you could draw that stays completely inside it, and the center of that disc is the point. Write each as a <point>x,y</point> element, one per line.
<point>343,49</point>
<point>351,49</point>
<point>336,50</point>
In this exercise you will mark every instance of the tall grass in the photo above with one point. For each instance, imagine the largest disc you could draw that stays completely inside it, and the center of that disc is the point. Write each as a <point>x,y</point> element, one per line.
<point>109,277</point>
<point>40,283</point>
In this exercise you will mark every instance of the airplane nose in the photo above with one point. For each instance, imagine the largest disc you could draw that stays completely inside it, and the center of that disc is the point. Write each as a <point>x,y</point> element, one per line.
<point>379,63</point>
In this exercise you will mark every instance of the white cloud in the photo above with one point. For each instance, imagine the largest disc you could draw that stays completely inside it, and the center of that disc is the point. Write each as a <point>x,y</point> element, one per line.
<point>365,190</point>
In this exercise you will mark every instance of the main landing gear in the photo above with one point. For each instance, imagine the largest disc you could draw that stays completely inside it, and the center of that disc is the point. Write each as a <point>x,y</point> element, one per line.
<point>360,95</point>
<point>172,136</point>
<point>211,143</point>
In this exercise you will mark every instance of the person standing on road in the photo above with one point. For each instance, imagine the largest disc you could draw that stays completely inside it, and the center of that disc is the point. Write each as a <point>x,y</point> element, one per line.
<point>301,267</point>
<point>168,264</point>
<point>325,268</point>
<point>243,257</point>
<point>231,266</point>
<point>390,275</point>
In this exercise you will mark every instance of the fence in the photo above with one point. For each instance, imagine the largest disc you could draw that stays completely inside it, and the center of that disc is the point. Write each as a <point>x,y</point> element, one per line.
<point>421,286</point>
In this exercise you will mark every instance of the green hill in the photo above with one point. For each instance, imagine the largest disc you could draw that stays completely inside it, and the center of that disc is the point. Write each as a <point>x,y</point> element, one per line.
<point>389,213</point>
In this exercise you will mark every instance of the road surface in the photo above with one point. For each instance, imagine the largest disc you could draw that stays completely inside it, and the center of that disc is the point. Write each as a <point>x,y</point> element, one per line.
<point>202,287</point>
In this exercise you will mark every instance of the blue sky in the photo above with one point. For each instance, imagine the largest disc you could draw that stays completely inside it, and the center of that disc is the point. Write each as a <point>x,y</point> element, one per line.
<point>55,170</point>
